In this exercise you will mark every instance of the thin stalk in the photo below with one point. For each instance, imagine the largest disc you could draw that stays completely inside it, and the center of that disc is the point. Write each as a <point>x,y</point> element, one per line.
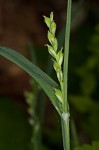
<point>65,134</point>
<point>75,11</point>
<point>65,117</point>
<point>66,54</point>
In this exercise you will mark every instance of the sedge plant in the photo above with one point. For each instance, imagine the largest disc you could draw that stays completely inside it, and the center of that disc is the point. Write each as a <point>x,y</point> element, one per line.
<point>56,93</point>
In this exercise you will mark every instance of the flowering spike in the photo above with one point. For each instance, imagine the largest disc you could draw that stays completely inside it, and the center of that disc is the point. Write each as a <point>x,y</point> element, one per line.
<point>58,57</point>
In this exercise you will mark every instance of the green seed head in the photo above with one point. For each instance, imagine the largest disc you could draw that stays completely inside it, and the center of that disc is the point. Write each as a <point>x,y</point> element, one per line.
<point>58,57</point>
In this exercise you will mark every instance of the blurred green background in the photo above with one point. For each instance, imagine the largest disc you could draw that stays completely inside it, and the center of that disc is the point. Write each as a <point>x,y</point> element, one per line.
<point>22,28</point>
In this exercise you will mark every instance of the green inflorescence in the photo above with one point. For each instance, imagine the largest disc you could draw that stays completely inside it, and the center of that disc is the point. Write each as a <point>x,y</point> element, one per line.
<point>57,55</point>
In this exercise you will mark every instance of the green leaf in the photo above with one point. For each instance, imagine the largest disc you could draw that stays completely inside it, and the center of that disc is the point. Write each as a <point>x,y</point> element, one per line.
<point>42,78</point>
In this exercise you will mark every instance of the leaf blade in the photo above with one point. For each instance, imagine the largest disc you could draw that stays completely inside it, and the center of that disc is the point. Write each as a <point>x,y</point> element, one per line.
<point>42,78</point>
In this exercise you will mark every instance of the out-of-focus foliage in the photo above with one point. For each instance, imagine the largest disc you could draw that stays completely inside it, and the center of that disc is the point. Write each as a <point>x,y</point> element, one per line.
<point>14,127</point>
<point>52,136</point>
<point>94,146</point>
<point>89,71</point>
<point>85,72</point>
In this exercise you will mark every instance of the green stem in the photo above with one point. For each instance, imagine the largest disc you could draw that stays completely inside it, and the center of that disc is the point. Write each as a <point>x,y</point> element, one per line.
<point>65,134</point>
<point>66,55</point>
<point>65,117</point>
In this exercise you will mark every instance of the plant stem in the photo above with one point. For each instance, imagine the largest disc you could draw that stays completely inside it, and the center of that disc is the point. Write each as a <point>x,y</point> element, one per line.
<point>65,134</point>
<point>75,11</point>
<point>66,54</point>
<point>65,118</point>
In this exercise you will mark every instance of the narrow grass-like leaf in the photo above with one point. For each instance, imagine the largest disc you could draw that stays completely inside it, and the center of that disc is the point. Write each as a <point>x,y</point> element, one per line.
<point>42,78</point>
